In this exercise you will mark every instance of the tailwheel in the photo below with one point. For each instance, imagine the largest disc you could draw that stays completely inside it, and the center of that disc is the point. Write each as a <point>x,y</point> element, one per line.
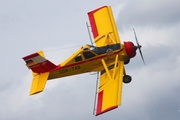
<point>127,79</point>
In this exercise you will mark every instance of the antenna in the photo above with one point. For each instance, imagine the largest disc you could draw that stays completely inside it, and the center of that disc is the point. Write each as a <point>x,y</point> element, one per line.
<point>89,33</point>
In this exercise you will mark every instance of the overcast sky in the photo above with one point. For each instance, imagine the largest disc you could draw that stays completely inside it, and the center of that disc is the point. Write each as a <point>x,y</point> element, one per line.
<point>59,28</point>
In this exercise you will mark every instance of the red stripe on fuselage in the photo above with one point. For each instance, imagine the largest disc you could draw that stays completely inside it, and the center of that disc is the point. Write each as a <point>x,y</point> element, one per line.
<point>78,63</point>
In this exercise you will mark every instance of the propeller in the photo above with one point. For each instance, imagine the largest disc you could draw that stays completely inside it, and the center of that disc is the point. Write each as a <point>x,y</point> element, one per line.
<point>138,46</point>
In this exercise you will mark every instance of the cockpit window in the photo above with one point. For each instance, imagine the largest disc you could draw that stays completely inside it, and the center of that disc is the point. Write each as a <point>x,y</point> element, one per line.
<point>88,54</point>
<point>78,58</point>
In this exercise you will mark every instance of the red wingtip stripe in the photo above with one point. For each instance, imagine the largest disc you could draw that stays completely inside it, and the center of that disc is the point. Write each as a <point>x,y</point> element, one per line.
<point>106,110</point>
<point>93,22</point>
<point>99,102</point>
<point>99,110</point>
<point>93,26</point>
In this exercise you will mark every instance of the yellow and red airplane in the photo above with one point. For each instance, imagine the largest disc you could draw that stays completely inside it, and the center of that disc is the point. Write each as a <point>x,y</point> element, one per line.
<point>107,57</point>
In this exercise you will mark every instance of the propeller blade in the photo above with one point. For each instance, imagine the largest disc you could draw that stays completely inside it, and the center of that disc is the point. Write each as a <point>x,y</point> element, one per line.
<point>136,37</point>
<point>141,56</point>
<point>139,46</point>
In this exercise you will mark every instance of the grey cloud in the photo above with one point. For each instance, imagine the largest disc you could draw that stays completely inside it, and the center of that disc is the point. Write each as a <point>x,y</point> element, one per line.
<point>155,14</point>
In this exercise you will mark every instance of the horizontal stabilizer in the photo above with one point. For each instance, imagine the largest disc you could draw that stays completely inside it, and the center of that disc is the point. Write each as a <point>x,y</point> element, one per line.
<point>38,82</point>
<point>38,63</point>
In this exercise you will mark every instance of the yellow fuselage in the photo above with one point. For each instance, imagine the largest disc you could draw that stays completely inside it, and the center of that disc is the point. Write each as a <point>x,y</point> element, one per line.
<point>73,66</point>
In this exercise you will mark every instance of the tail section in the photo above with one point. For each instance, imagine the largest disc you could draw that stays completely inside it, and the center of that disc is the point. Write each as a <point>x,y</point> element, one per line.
<point>38,63</point>
<point>40,67</point>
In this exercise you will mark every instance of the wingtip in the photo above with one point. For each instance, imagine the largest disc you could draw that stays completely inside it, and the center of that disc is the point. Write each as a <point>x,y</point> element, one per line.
<point>106,110</point>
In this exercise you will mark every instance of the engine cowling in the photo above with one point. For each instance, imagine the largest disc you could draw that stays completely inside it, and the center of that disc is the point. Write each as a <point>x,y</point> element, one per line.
<point>130,49</point>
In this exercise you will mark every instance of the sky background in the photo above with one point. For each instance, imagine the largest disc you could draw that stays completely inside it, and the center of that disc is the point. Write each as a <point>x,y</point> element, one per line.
<point>59,28</point>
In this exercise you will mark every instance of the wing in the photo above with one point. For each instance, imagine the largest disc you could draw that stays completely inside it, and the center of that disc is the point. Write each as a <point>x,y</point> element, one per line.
<point>103,26</point>
<point>110,87</point>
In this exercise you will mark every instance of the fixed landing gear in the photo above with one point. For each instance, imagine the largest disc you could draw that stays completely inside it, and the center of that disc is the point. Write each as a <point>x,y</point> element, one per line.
<point>127,79</point>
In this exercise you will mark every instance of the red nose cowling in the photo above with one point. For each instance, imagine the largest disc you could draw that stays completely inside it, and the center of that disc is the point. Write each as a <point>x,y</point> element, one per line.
<point>129,48</point>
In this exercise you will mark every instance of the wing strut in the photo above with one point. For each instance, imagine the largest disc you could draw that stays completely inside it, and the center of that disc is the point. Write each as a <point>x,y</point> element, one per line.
<point>114,71</point>
<point>106,68</point>
<point>89,33</point>
<point>96,92</point>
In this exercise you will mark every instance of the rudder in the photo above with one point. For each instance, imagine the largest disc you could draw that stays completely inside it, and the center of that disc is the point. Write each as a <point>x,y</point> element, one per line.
<point>38,63</point>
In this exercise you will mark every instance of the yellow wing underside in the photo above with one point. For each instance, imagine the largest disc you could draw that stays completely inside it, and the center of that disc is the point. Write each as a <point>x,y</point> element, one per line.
<point>105,33</point>
<point>103,26</point>
<point>110,87</point>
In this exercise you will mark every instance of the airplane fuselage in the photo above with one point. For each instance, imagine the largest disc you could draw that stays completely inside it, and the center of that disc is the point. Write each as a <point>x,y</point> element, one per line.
<point>88,60</point>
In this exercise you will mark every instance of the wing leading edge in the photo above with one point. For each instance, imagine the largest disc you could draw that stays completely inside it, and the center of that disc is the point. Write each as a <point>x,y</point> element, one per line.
<point>103,26</point>
<point>110,87</point>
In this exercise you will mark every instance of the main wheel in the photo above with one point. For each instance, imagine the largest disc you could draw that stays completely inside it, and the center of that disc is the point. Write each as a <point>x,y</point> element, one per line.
<point>127,79</point>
